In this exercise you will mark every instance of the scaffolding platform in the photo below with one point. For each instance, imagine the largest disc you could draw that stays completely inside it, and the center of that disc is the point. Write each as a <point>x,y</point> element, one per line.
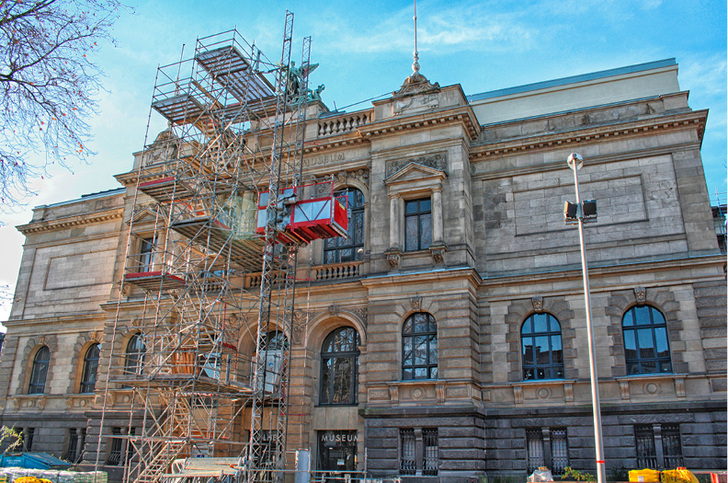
<point>233,72</point>
<point>179,109</point>
<point>218,237</point>
<point>166,189</point>
<point>155,281</point>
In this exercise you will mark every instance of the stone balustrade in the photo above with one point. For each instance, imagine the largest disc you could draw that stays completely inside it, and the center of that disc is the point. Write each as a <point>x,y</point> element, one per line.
<point>342,124</point>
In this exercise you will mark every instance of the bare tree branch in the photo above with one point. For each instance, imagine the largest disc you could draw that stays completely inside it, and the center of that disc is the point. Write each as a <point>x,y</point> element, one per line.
<point>48,87</point>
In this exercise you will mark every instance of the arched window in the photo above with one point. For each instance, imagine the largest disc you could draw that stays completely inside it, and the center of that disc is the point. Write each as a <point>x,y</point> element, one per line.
<point>90,368</point>
<point>134,357</point>
<point>339,371</point>
<point>275,340</point>
<point>351,248</point>
<point>646,348</point>
<point>38,373</point>
<point>541,351</point>
<point>419,347</point>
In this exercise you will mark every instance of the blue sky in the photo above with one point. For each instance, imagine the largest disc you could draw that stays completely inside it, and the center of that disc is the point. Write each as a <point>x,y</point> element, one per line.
<point>365,50</point>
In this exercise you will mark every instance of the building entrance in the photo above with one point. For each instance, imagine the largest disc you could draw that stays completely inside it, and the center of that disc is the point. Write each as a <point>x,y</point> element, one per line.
<point>337,451</point>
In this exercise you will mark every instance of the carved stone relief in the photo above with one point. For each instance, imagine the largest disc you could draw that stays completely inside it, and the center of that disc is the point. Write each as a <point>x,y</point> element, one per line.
<point>436,161</point>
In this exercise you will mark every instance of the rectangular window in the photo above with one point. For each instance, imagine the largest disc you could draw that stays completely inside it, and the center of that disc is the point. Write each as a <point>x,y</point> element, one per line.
<point>645,447</point>
<point>547,447</point>
<point>71,453</point>
<point>407,457</point>
<point>419,451</point>
<point>534,449</point>
<point>559,451</point>
<point>658,446</point>
<point>28,434</point>
<point>431,453</point>
<point>117,445</point>
<point>146,255</point>
<point>671,446</point>
<point>417,224</point>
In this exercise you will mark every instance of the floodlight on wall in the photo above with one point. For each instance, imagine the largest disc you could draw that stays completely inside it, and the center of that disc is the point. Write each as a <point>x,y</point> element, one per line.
<point>571,213</point>
<point>589,210</point>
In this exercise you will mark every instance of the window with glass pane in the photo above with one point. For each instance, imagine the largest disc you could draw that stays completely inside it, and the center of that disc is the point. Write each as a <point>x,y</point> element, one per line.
<point>90,368</point>
<point>39,371</point>
<point>646,346</point>
<point>541,349</point>
<point>419,347</point>
<point>339,371</point>
<point>351,248</point>
<point>134,359</point>
<point>417,224</point>
<point>407,463</point>
<point>146,255</point>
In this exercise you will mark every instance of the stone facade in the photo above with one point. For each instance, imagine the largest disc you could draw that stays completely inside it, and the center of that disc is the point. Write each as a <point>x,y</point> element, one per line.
<point>498,254</point>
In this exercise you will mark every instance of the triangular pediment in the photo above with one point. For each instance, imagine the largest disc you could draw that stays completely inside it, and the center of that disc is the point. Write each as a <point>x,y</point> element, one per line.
<point>415,172</point>
<point>145,215</point>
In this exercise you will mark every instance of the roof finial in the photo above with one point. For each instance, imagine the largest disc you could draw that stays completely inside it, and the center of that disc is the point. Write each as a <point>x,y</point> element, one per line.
<point>416,62</point>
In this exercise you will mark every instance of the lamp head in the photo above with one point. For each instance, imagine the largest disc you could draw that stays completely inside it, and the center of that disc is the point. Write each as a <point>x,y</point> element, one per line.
<point>575,161</point>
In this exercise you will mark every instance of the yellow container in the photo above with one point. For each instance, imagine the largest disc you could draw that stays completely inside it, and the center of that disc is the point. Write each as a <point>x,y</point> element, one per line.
<point>647,475</point>
<point>679,475</point>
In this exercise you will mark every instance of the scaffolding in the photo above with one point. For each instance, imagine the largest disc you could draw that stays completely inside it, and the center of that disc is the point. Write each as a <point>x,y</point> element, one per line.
<point>217,218</point>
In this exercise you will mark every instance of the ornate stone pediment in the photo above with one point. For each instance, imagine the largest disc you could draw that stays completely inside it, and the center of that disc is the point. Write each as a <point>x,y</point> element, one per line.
<point>437,161</point>
<point>414,172</point>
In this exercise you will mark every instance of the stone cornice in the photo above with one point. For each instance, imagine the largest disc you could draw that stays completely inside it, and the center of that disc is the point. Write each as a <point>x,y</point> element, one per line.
<point>591,134</point>
<point>613,270</point>
<point>77,220</point>
<point>462,115</point>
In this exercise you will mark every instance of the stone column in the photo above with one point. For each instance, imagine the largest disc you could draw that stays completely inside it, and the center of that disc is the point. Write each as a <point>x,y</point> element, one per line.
<point>437,228</point>
<point>394,221</point>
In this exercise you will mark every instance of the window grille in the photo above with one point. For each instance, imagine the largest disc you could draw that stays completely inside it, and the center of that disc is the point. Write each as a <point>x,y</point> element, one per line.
<point>407,464</point>
<point>114,458</point>
<point>559,451</point>
<point>557,459</point>
<point>431,453</point>
<point>645,447</point>
<point>671,448</point>
<point>534,444</point>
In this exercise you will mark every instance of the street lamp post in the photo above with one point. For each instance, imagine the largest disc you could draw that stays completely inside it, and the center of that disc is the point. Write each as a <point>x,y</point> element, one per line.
<point>587,210</point>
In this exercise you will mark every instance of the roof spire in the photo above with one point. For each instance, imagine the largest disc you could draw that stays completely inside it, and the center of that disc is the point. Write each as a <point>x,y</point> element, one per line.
<point>416,82</point>
<point>416,62</point>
